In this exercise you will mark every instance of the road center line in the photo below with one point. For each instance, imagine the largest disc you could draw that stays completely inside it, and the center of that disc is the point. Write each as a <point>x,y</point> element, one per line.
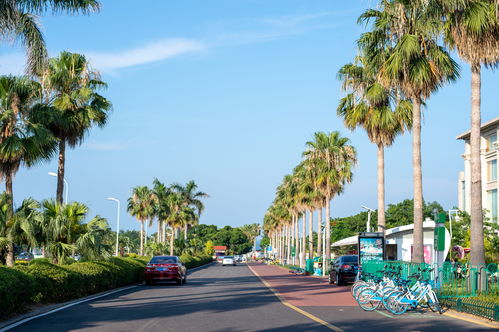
<point>295,308</point>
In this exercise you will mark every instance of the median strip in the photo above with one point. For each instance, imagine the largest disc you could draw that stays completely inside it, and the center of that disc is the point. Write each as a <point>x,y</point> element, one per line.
<point>295,308</point>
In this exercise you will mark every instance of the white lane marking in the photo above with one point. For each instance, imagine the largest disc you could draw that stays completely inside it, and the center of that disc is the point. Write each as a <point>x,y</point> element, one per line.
<point>11,326</point>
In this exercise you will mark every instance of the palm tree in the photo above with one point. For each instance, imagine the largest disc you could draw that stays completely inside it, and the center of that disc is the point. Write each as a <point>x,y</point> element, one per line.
<point>61,228</point>
<point>141,206</point>
<point>18,20</point>
<point>405,34</point>
<point>334,159</point>
<point>472,28</point>
<point>71,86</point>
<point>162,209</point>
<point>22,141</point>
<point>251,231</point>
<point>191,198</point>
<point>369,105</point>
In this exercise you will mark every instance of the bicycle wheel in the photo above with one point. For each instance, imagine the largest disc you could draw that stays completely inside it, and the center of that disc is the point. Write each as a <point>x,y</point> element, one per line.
<point>358,289</point>
<point>369,299</point>
<point>356,285</point>
<point>433,302</point>
<point>395,303</point>
<point>386,297</point>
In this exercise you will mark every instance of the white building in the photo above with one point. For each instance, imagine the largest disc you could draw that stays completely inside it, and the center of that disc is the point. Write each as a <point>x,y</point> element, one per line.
<point>489,147</point>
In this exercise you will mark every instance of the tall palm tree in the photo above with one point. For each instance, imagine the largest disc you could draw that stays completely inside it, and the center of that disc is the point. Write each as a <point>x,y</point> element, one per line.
<point>334,159</point>
<point>162,209</point>
<point>472,29</point>
<point>405,34</point>
<point>369,105</point>
<point>18,20</point>
<point>71,87</point>
<point>22,141</point>
<point>141,206</point>
<point>191,198</point>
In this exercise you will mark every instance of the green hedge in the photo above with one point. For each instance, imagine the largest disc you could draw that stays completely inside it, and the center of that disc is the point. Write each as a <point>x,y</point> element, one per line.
<point>42,281</point>
<point>195,261</point>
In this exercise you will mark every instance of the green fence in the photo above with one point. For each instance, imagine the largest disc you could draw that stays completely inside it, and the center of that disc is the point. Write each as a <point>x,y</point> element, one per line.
<point>474,290</point>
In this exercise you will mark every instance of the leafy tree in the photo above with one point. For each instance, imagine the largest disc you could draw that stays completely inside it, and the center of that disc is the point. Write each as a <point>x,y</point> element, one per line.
<point>190,198</point>
<point>208,248</point>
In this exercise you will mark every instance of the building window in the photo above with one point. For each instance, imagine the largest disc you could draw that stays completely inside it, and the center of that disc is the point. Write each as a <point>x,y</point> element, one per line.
<point>492,203</point>
<point>492,170</point>
<point>491,140</point>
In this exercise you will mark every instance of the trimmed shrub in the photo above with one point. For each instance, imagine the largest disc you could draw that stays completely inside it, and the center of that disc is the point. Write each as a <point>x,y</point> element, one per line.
<point>42,281</point>
<point>16,289</point>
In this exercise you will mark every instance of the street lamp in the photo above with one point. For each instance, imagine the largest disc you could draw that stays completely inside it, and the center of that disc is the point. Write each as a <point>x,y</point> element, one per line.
<point>66,184</point>
<point>117,223</point>
<point>369,210</point>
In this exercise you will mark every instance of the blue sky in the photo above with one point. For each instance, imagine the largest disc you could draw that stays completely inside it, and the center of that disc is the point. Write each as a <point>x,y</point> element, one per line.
<point>227,93</point>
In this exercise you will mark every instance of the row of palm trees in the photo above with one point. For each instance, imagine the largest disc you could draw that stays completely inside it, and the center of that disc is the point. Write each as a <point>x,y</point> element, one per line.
<point>41,116</point>
<point>59,230</point>
<point>53,106</point>
<point>322,175</point>
<point>176,206</point>
<point>403,59</point>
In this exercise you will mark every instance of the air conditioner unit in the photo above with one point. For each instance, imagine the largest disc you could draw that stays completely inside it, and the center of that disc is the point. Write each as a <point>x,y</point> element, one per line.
<point>495,145</point>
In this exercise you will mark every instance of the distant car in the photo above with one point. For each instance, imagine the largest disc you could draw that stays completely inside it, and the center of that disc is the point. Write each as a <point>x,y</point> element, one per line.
<point>25,257</point>
<point>220,259</point>
<point>344,269</point>
<point>229,260</point>
<point>165,268</point>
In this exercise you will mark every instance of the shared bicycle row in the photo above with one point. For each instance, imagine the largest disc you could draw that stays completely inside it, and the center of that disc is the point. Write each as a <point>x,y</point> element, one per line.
<point>394,293</point>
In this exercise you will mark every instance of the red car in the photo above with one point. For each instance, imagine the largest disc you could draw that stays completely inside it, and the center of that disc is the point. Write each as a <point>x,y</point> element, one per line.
<point>165,268</point>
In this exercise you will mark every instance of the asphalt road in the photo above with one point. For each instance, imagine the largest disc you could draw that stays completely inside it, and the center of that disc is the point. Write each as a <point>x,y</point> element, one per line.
<point>218,298</point>
<point>215,298</point>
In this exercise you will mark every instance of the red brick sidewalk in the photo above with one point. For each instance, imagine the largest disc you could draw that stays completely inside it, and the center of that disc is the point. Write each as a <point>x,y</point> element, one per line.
<point>304,290</point>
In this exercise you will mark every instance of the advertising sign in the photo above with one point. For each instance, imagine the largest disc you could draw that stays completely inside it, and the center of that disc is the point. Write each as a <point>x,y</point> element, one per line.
<point>371,247</point>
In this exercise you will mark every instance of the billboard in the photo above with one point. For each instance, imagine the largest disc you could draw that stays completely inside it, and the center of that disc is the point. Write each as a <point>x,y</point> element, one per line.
<point>371,247</point>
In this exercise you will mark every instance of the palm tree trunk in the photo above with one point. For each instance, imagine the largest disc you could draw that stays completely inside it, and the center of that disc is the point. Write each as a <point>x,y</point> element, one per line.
<point>288,243</point>
<point>303,239</point>
<point>292,239</point>
<point>10,213</point>
<point>311,233</point>
<point>163,239</point>
<point>158,236</point>
<point>381,188</point>
<point>172,236</point>
<point>186,229</point>
<point>418,253</point>
<point>327,234</point>
<point>476,232</point>
<point>297,238</point>
<point>141,238</point>
<point>60,171</point>
<point>319,232</point>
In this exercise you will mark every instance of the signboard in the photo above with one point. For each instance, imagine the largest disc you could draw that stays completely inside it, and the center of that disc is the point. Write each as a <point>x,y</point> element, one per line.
<point>371,247</point>
<point>293,251</point>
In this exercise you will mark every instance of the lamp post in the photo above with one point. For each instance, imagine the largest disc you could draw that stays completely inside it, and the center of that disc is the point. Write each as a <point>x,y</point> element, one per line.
<point>450,219</point>
<point>369,210</point>
<point>66,185</point>
<point>117,223</point>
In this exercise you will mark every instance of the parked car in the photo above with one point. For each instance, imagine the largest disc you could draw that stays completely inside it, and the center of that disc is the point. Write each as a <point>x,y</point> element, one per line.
<point>229,260</point>
<point>344,269</point>
<point>165,268</point>
<point>25,256</point>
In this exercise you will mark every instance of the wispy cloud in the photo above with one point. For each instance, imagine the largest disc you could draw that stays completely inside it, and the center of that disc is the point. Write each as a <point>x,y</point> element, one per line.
<point>153,52</point>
